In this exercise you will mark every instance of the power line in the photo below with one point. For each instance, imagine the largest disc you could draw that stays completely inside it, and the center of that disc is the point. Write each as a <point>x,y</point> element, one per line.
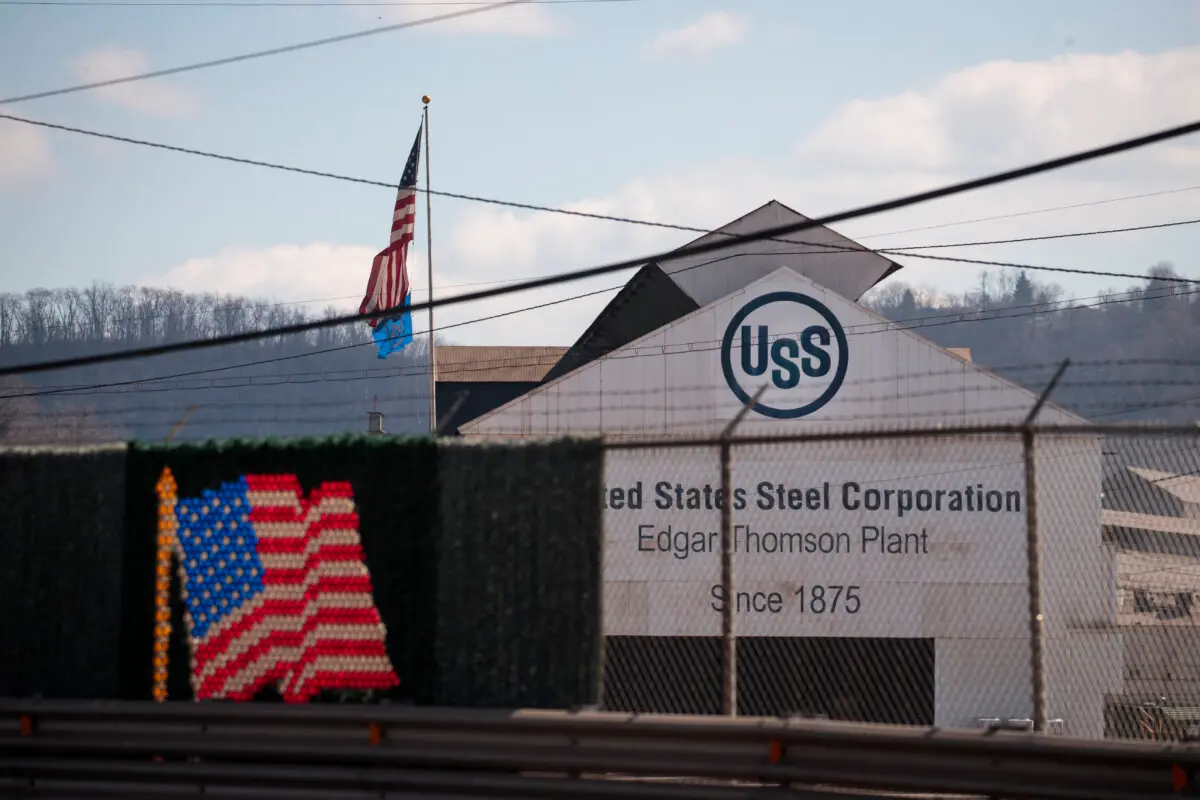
<point>648,223</point>
<point>1049,210</point>
<point>264,53</point>
<point>1040,268</point>
<point>390,372</point>
<point>572,212</point>
<point>1078,234</point>
<point>45,421</point>
<point>688,250</point>
<point>225,406</point>
<point>1036,308</point>
<point>323,351</point>
<point>892,250</point>
<point>218,310</point>
<point>281,3</point>
<point>351,179</point>
<point>709,345</point>
<point>1180,401</point>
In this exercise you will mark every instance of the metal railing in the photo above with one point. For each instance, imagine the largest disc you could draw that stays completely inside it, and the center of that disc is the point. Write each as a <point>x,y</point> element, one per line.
<point>92,749</point>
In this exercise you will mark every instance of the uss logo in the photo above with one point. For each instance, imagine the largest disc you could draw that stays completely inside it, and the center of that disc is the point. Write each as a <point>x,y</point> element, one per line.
<point>791,342</point>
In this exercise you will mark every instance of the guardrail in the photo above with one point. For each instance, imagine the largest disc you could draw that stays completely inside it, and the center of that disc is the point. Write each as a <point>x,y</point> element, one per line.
<point>149,750</point>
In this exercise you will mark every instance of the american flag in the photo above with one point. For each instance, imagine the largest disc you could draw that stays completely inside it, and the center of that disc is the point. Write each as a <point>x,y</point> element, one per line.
<point>276,591</point>
<point>388,286</point>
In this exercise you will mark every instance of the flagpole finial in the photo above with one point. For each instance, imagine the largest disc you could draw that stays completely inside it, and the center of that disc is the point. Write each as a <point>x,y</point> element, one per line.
<point>425,99</point>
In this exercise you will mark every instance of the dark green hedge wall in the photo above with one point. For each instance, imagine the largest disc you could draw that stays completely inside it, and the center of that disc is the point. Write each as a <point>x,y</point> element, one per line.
<point>520,574</point>
<point>60,572</point>
<point>485,562</point>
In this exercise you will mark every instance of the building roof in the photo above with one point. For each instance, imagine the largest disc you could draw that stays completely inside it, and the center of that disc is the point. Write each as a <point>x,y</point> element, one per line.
<point>1151,509</point>
<point>962,352</point>
<point>469,364</point>
<point>821,254</point>
<point>1151,475</point>
<point>1186,487</point>
<point>1157,589</point>
<point>662,292</point>
<point>1155,523</point>
<point>647,302</point>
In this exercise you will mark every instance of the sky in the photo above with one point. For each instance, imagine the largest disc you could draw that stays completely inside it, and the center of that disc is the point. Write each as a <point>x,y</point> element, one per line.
<point>689,112</point>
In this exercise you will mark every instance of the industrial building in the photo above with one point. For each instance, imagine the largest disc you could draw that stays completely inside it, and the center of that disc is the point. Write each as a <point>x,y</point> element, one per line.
<point>879,580</point>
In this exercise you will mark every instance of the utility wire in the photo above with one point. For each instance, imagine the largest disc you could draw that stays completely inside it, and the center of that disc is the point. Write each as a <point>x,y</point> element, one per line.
<point>275,51</point>
<point>217,310</point>
<point>1040,268</point>
<point>596,216</point>
<point>282,3</point>
<point>619,266</point>
<point>896,250</point>
<point>46,420</point>
<point>608,400</point>
<point>826,247</point>
<point>323,351</point>
<point>915,324</point>
<point>1049,210</point>
<point>1106,299</point>
<point>1049,237</point>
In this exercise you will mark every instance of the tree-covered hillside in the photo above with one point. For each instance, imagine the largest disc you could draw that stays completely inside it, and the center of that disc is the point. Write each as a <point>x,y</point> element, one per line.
<point>1135,352</point>
<point>322,382</point>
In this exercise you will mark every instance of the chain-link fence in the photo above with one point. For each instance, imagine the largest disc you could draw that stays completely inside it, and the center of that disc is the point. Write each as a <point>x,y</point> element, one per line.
<point>929,577</point>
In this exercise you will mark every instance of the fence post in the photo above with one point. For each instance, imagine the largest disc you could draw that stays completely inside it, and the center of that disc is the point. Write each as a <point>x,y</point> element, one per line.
<point>728,640</point>
<point>1037,634</point>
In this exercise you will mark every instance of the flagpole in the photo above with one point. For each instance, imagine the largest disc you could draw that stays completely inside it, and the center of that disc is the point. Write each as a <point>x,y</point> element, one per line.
<point>429,267</point>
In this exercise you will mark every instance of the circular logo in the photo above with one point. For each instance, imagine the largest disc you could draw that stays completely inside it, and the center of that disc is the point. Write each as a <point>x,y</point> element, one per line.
<point>791,343</point>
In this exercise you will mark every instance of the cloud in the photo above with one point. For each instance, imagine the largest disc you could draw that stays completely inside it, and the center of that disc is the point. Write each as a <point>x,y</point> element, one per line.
<point>863,152</point>
<point>525,19</point>
<point>24,153</point>
<point>1005,112</point>
<point>700,38</point>
<point>148,97</point>
<point>331,274</point>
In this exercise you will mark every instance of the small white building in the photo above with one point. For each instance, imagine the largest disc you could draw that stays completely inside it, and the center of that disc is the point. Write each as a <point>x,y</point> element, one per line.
<point>875,579</point>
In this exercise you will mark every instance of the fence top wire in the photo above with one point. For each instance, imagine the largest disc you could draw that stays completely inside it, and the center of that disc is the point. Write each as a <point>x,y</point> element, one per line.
<point>1149,430</point>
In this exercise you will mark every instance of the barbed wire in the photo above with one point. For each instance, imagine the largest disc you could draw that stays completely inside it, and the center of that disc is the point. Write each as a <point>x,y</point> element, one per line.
<point>464,372</point>
<point>170,415</point>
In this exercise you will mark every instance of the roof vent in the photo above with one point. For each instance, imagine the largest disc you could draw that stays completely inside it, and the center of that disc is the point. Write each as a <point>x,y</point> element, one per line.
<point>962,352</point>
<point>375,423</point>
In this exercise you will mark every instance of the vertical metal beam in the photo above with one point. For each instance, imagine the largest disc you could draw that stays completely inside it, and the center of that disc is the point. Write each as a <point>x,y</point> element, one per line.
<point>728,637</point>
<point>1037,655</point>
<point>728,642</point>
<point>1033,548</point>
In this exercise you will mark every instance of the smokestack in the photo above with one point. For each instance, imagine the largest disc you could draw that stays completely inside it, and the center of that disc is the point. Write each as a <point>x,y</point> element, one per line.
<point>375,423</point>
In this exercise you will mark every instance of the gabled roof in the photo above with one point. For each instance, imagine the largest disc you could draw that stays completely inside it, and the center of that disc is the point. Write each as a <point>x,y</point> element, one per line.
<point>820,254</point>
<point>661,293</point>
<point>1186,486</point>
<point>647,302</point>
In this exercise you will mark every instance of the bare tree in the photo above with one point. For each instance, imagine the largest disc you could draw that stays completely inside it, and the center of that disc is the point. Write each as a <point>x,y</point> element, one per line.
<point>14,407</point>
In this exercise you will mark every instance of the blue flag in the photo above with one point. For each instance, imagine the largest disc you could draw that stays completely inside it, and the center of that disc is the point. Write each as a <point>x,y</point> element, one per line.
<point>395,333</point>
